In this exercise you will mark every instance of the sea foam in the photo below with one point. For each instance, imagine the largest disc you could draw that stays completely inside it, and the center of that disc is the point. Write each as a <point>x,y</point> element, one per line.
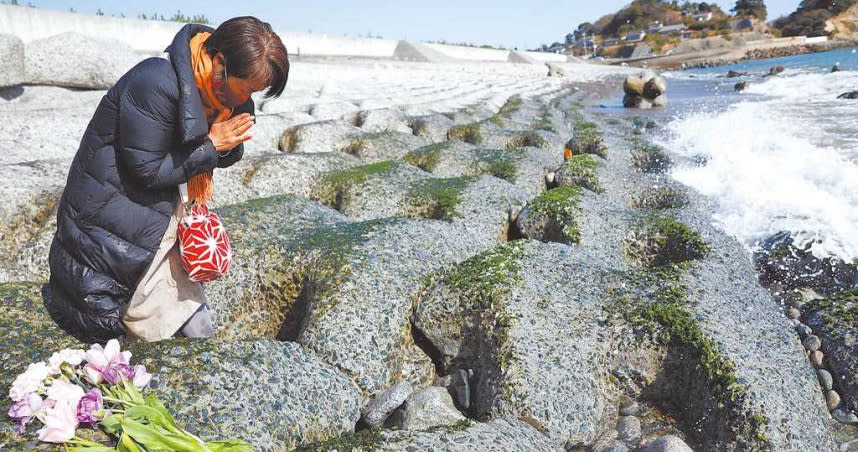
<point>784,163</point>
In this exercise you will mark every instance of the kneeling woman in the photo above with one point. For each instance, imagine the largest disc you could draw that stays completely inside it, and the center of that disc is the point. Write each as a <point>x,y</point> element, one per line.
<point>165,125</point>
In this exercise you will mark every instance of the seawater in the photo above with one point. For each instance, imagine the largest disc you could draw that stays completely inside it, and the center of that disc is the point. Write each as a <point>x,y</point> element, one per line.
<point>780,156</point>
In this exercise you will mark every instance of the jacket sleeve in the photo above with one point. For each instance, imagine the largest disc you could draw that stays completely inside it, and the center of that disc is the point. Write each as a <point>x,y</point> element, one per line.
<point>148,117</point>
<point>229,158</point>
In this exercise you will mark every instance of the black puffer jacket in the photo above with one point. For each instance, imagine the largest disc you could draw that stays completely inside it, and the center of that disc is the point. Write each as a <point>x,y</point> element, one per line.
<point>148,135</point>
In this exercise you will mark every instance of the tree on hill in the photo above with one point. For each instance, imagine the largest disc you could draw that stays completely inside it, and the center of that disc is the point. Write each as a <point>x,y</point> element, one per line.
<point>809,19</point>
<point>756,8</point>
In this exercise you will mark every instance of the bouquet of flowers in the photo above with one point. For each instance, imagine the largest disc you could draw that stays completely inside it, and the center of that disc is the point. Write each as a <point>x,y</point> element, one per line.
<point>99,387</point>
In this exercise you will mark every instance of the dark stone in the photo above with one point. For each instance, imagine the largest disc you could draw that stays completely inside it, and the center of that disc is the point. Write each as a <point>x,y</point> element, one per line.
<point>849,95</point>
<point>733,74</point>
<point>741,86</point>
<point>835,68</point>
<point>780,261</point>
<point>776,70</point>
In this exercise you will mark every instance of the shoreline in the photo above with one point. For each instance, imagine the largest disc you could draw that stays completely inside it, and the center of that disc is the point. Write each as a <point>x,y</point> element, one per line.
<point>729,56</point>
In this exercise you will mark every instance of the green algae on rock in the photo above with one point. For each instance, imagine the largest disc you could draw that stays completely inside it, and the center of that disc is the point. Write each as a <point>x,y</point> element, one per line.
<point>438,198</point>
<point>660,199</point>
<point>334,188</point>
<point>426,157</point>
<point>469,133</point>
<point>588,140</point>
<point>551,216</point>
<point>664,240</point>
<point>512,105</point>
<point>579,170</point>
<point>649,158</point>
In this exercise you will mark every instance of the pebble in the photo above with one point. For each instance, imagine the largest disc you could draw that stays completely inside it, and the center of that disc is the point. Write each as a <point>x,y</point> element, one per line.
<point>630,408</point>
<point>617,446</point>
<point>629,428</point>
<point>549,179</point>
<point>844,417</point>
<point>793,313</point>
<point>816,358</point>
<point>812,343</point>
<point>795,322</point>
<point>833,399</point>
<point>825,379</point>
<point>377,411</point>
<point>803,330</point>
<point>668,443</point>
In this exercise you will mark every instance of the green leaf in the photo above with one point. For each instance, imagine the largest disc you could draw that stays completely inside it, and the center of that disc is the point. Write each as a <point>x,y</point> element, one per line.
<point>157,438</point>
<point>112,424</point>
<point>126,444</point>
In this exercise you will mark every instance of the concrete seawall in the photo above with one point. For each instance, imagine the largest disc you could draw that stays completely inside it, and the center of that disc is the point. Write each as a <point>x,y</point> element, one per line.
<point>153,36</point>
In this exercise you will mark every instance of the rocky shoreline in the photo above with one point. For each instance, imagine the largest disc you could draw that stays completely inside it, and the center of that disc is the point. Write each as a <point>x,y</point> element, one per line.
<point>448,281</point>
<point>763,54</point>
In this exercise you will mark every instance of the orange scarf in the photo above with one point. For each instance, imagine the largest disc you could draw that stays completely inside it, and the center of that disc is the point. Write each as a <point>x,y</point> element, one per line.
<point>200,185</point>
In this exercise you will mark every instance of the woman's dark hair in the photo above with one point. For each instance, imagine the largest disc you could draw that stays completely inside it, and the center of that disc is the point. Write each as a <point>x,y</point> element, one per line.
<point>252,50</point>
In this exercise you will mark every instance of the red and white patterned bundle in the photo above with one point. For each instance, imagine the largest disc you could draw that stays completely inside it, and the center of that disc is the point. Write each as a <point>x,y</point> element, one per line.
<point>205,248</point>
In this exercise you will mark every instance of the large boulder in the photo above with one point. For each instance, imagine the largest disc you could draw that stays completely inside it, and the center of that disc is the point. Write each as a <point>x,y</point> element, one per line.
<point>12,64</point>
<point>272,394</point>
<point>530,334</point>
<point>304,272</point>
<point>77,61</point>
<point>634,85</point>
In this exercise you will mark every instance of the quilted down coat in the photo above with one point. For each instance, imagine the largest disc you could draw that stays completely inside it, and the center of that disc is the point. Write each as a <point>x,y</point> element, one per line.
<point>148,135</point>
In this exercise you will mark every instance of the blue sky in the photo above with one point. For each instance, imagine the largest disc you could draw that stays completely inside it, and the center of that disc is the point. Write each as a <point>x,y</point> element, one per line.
<point>519,23</point>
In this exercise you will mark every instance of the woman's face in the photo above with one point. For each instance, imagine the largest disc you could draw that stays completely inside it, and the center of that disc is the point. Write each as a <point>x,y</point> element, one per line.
<point>232,91</point>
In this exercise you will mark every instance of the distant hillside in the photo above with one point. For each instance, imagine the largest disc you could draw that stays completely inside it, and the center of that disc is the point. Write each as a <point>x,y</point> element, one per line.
<point>811,16</point>
<point>845,24</point>
<point>641,13</point>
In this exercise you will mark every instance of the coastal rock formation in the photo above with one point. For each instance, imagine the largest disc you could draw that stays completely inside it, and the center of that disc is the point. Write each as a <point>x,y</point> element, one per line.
<point>741,86</point>
<point>849,95</point>
<point>12,64</point>
<point>77,61</point>
<point>644,91</point>
<point>464,252</point>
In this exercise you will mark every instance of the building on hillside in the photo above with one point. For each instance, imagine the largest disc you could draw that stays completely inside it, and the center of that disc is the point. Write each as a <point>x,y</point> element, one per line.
<point>557,47</point>
<point>636,36</point>
<point>610,42</point>
<point>639,51</point>
<point>668,29</point>
<point>702,17</point>
<point>653,27</point>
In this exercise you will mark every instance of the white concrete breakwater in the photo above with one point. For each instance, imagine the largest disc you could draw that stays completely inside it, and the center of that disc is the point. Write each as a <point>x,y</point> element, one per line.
<point>31,24</point>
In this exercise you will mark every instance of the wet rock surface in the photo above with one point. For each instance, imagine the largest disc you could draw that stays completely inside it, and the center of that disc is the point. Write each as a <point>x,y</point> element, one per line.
<point>389,246</point>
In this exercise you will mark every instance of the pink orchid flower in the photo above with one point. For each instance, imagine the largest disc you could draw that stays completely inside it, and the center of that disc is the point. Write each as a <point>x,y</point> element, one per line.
<point>60,422</point>
<point>107,359</point>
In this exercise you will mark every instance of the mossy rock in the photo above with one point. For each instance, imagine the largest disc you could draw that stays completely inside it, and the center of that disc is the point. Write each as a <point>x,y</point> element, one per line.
<point>469,133</point>
<point>426,157</point>
<point>551,216</point>
<point>588,140</point>
<point>663,240</point>
<point>712,396</point>
<point>502,164</point>
<point>524,139</point>
<point>437,198</point>
<point>272,394</point>
<point>660,198</point>
<point>334,188</point>
<point>580,170</point>
<point>649,158</point>
<point>512,105</point>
